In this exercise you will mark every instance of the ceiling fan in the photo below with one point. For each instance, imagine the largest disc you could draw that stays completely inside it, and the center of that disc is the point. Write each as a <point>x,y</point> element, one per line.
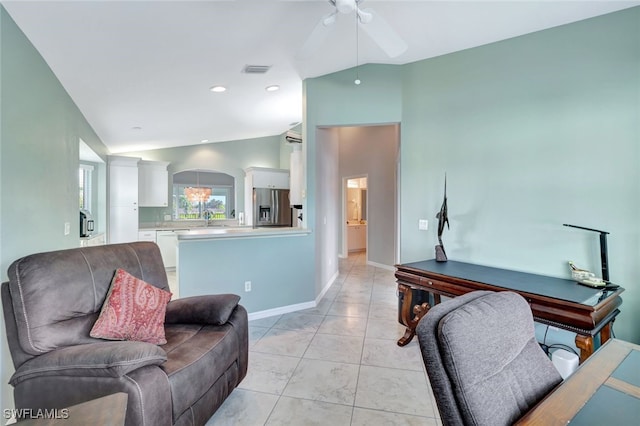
<point>372,24</point>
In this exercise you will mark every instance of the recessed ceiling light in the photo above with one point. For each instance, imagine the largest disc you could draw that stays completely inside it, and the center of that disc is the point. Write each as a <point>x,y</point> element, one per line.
<point>272,88</point>
<point>218,89</point>
<point>204,141</point>
<point>136,128</point>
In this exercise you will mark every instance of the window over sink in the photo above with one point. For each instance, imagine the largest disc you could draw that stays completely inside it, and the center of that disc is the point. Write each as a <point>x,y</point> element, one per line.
<point>200,194</point>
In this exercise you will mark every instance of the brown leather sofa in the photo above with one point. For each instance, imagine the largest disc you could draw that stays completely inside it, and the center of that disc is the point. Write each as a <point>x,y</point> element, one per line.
<point>50,305</point>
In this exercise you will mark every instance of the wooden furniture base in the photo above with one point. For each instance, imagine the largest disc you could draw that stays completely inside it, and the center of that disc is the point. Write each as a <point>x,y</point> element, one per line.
<point>410,313</point>
<point>556,302</point>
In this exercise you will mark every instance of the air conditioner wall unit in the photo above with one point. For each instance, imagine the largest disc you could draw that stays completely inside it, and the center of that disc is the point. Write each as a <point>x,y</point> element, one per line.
<point>293,137</point>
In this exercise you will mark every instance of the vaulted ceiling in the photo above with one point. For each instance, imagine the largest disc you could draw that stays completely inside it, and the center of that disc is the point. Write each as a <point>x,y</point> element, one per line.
<point>141,71</point>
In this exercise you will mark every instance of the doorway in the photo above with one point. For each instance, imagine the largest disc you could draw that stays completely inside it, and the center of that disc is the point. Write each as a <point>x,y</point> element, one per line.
<point>370,152</point>
<point>355,214</point>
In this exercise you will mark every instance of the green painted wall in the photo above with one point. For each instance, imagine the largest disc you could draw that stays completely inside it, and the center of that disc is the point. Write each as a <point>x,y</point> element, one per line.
<point>532,132</point>
<point>278,268</point>
<point>39,131</point>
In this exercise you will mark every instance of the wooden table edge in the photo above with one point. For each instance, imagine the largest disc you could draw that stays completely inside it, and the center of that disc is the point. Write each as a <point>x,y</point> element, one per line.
<point>564,402</point>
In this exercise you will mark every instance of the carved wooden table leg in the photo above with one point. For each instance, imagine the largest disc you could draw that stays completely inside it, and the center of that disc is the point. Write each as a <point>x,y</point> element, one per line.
<point>605,333</point>
<point>410,315</point>
<point>585,344</point>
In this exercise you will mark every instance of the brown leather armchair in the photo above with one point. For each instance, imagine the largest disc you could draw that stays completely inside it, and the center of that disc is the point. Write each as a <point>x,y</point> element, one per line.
<point>52,301</point>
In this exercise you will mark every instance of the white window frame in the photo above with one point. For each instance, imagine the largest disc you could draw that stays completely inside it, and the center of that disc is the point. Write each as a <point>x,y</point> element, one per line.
<point>86,185</point>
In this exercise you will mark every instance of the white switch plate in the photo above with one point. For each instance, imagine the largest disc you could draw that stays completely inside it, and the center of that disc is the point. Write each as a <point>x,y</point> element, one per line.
<point>247,286</point>
<point>167,217</point>
<point>67,228</point>
<point>423,224</point>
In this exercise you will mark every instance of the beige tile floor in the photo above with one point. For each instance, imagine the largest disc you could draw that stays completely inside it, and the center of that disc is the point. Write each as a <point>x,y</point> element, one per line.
<point>335,364</point>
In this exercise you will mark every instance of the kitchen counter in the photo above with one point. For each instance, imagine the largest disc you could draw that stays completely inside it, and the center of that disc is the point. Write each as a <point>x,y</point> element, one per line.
<point>271,268</point>
<point>92,240</point>
<point>238,232</point>
<point>187,224</point>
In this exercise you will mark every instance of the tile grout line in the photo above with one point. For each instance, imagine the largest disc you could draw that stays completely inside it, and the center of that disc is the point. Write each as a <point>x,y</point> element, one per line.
<point>364,339</point>
<point>356,275</point>
<point>302,356</point>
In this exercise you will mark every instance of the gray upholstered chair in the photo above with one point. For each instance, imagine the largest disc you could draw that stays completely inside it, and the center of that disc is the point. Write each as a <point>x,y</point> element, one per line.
<point>52,301</point>
<point>482,358</point>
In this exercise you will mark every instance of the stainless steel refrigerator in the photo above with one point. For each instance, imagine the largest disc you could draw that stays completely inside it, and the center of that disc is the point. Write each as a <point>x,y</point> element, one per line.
<point>271,207</point>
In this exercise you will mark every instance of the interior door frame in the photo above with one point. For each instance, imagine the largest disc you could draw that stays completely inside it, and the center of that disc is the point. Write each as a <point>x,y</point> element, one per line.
<point>343,211</point>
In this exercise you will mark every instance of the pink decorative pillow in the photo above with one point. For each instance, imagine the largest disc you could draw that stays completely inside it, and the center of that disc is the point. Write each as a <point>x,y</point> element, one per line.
<point>132,310</point>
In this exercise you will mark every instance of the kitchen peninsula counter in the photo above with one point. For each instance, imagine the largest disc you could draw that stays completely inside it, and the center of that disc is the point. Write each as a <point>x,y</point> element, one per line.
<point>272,269</point>
<point>214,233</point>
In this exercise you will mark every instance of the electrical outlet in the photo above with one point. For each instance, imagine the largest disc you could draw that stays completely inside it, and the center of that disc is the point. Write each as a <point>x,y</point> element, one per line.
<point>247,286</point>
<point>67,228</point>
<point>423,224</point>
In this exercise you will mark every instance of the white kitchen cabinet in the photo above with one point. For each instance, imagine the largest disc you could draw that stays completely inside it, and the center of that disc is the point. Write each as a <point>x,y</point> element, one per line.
<point>267,178</point>
<point>123,224</point>
<point>153,184</point>
<point>168,242</point>
<point>357,237</point>
<point>147,235</point>
<point>123,199</point>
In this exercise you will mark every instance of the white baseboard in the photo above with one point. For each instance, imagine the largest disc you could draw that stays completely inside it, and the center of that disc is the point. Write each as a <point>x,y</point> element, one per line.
<point>381,265</point>
<point>293,308</point>
<point>327,286</point>
<point>281,310</point>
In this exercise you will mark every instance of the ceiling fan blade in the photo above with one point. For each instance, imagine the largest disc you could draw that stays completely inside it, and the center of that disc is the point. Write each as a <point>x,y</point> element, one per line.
<point>317,36</point>
<point>382,33</point>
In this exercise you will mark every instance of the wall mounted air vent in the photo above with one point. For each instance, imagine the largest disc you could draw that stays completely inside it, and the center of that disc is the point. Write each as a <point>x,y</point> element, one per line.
<point>256,69</point>
<point>293,137</point>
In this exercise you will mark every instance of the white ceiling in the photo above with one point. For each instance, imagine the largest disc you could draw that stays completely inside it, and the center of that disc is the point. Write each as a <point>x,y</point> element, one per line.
<point>140,71</point>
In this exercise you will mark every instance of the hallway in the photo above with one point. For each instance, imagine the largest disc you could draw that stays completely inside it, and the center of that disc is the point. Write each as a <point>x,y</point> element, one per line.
<point>336,364</point>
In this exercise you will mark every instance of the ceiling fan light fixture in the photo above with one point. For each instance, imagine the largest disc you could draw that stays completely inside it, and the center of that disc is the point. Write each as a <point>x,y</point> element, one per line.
<point>365,17</point>
<point>345,6</point>
<point>372,23</point>
<point>329,20</point>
